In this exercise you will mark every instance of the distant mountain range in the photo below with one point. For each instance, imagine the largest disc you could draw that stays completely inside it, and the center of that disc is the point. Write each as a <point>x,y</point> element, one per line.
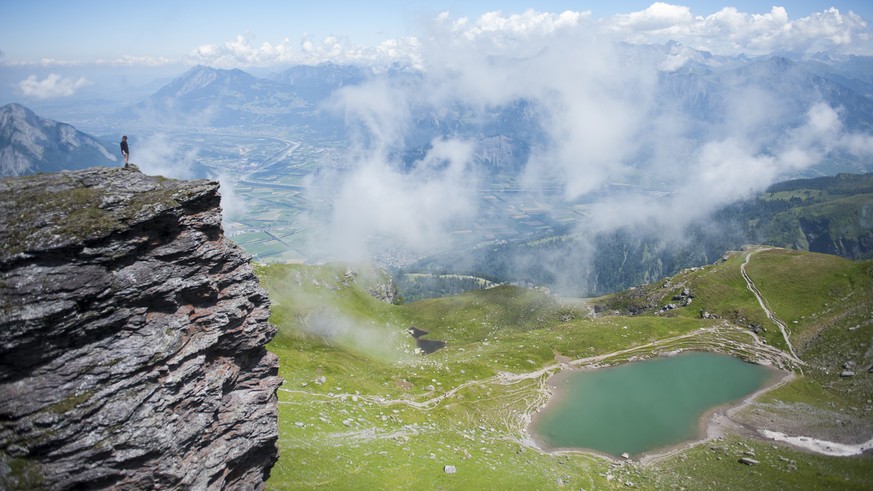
<point>700,86</point>
<point>31,144</point>
<point>205,96</point>
<point>703,91</point>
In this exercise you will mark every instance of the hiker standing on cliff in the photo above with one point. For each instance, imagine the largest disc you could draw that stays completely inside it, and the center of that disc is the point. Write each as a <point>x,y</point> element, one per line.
<point>125,151</point>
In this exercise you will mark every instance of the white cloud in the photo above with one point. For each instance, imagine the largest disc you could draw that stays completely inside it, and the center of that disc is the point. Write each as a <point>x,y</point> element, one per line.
<point>52,86</point>
<point>588,98</point>
<point>728,31</point>
<point>732,32</point>
<point>597,107</point>
<point>736,166</point>
<point>824,129</point>
<point>243,51</point>
<point>415,207</point>
<point>149,61</point>
<point>659,16</point>
<point>121,61</point>
<point>503,32</point>
<point>233,205</point>
<point>379,111</point>
<point>590,102</point>
<point>159,154</point>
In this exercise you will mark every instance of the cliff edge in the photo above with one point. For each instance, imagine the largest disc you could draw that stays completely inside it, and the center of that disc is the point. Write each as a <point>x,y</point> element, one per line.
<point>132,338</point>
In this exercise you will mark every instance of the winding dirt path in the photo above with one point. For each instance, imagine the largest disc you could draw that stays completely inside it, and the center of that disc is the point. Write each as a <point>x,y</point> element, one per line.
<point>507,378</point>
<point>766,306</point>
<point>824,447</point>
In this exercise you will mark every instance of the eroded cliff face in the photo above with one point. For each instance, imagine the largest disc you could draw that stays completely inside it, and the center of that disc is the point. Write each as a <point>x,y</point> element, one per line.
<point>131,338</point>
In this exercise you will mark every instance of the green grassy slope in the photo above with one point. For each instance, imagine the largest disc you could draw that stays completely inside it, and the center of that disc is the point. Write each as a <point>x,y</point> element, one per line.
<point>360,409</point>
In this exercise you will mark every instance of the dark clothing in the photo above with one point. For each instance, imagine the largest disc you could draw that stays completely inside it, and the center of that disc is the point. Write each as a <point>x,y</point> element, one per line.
<point>125,151</point>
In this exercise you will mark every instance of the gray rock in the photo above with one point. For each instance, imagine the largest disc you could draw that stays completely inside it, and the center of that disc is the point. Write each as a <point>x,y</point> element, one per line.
<point>132,337</point>
<point>847,374</point>
<point>748,461</point>
<point>449,469</point>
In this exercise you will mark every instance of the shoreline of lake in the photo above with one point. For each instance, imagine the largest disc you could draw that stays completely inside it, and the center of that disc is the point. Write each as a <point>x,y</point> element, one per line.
<point>711,424</point>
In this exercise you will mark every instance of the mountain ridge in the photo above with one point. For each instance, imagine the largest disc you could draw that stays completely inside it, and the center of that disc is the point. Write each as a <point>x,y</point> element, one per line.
<point>700,85</point>
<point>30,144</point>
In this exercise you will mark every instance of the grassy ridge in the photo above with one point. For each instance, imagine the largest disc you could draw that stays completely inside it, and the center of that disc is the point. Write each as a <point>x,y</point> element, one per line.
<point>361,410</point>
<point>805,290</point>
<point>827,304</point>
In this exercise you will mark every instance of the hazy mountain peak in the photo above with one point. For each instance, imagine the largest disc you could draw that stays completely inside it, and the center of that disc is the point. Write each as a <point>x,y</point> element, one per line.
<point>30,144</point>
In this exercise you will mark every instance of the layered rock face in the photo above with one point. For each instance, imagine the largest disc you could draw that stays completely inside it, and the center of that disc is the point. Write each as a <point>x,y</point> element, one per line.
<point>131,338</point>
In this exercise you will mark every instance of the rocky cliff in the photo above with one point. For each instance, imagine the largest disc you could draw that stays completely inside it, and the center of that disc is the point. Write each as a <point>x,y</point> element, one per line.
<point>131,338</point>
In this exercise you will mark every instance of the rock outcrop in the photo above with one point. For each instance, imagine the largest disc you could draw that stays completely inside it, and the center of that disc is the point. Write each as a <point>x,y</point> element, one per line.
<point>132,338</point>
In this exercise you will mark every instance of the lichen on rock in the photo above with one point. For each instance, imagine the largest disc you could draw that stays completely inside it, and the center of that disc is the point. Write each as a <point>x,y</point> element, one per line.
<point>132,338</point>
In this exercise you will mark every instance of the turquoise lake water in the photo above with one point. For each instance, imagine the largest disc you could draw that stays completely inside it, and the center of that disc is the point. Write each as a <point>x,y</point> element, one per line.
<point>642,406</point>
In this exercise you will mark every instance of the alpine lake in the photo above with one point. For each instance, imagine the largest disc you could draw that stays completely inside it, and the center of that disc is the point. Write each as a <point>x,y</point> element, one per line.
<point>645,406</point>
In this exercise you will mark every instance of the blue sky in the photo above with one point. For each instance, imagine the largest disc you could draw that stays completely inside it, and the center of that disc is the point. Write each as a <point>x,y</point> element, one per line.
<point>88,30</point>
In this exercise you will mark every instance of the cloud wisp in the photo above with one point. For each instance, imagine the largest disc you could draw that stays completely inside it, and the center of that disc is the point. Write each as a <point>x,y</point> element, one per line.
<point>159,154</point>
<point>601,116</point>
<point>731,32</point>
<point>725,32</point>
<point>377,204</point>
<point>52,86</point>
<point>163,155</point>
<point>244,50</point>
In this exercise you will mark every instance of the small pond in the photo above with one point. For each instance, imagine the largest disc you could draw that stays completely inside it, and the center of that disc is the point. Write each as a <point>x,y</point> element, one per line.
<point>427,346</point>
<point>643,406</point>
